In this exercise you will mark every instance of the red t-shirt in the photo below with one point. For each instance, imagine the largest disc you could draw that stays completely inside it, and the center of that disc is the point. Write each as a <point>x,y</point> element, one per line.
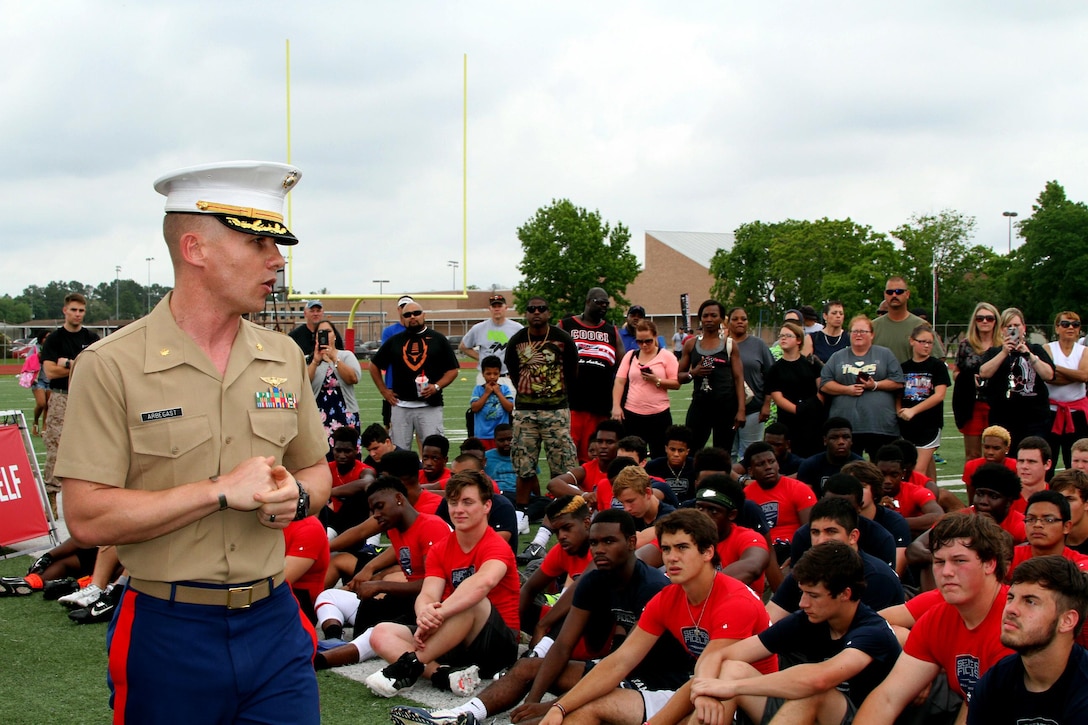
<point>781,504</point>
<point>1013,523</point>
<point>741,539</point>
<point>414,543</point>
<point>922,603</point>
<point>558,562</point>
<point>354,474</point>
<point>442,478</point>
<point>446,478</point>
<point>941,637</point>
<point>306,538</point>
<point>1022,553</point>
<point>448,562</point>
<point>912,498</point>
<point>428,502</point>
<point>597,480</point>
<point>972,465</point>
<point>732,611</point>
<point>1020,505</point>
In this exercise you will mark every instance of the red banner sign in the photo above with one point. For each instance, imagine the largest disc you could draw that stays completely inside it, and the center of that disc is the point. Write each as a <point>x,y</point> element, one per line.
<point>22,515</point>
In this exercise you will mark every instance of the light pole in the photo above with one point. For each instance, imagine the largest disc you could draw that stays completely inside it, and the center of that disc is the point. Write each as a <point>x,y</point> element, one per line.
<point>149,260</point>
<point>455,264</point>
<point>1009,215</point>
<point>381,302</point>
<point>117,292</point>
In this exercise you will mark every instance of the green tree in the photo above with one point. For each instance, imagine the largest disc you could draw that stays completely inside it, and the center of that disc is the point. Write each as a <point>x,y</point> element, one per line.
<point>1048,271</point>
<point>566,252</point>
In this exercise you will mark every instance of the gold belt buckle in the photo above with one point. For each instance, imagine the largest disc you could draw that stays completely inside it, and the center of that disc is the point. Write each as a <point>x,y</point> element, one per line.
<point>245,593</point>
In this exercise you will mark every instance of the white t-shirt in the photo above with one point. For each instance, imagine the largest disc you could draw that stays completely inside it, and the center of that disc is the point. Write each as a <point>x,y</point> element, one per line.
<point>491,339</point>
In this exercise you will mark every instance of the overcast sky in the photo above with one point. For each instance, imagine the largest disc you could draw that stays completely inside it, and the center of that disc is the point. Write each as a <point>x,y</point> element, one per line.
<point>689,116</point>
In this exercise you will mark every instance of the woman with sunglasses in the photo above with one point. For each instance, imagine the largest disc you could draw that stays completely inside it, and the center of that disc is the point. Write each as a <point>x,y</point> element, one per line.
<point>646,374</point>
<point>333,374</point>
<point>1017,375</point>
<point>1067,391</point>
<point>969,407</point>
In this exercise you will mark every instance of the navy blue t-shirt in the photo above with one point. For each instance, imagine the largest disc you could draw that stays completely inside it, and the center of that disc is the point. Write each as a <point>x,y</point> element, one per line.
<point>882,587</point>
<point>815,470</point>
<point>873,539</point>
<point>1000,696</point>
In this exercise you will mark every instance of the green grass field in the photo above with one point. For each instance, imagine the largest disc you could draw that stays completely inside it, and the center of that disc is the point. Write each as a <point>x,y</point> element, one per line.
<point>55,670</point>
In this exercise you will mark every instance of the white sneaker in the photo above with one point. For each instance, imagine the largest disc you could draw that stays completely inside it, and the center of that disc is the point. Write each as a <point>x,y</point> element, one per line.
<point>82,599</point>
<point>523,522</point>
<point>402,715</point>
<point>464,682</point>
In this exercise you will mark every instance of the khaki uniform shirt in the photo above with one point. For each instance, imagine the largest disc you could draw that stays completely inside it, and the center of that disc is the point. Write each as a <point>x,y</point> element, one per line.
<point>148,410</point>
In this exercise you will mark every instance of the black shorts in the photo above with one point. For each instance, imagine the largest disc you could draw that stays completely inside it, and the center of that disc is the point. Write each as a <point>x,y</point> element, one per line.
<point>774,704</point>
<point>494,649</point>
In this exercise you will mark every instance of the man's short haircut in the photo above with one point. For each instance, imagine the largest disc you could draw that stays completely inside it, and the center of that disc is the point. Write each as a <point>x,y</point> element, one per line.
<point>695,524</point>
<point>897,278</point>
<point>618,464</point>
<point>1080,445</point>
<point>401,463</point>
<point>347,434</point>
<point>1061,576</point>
<point>374,433</point>
<point>575,506</point>
<point>617,516</point>
<point>712,459</point>
<point>832,303</point>
<point>996,431</point>
<point>996,477</point>
<point>609,425</point>
<point>491,362</point>
<point>836,422</point>
<point>835,565</point>
<point>636,444</point>
<point>1050,497</point>
<point>472,443</point>
<point>777,429</point>
<point>836,509</point>
<point>464,479</point>
<point>631,477</point>
<point>888,453</point>
<point>75,297</point>
<point>1071,478</point>
<point>681,434</point>
<point>753,450</point>
<point>386,482</point>
<point>1035,443</point>
<point>470,458</point>
<point>726,484</point>
<point>867,473</point>
<point>442,443</point>
<point>845,484</point>
<point>910,454</point>
<point>979,533</point>
<point>503,427</point>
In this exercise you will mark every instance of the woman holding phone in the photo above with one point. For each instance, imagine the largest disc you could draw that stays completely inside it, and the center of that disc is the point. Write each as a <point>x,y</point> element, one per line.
<point>645,375</point>
<point>333,374</point>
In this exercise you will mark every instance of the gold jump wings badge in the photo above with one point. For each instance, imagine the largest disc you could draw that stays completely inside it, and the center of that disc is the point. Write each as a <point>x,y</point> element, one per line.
<point>275,396</point>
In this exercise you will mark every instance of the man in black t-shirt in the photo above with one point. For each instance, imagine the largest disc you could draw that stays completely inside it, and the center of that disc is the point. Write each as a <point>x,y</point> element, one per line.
<point>303,335</point>
<point>59,352</point>
<point>838,440</point>
<point>848,648</point>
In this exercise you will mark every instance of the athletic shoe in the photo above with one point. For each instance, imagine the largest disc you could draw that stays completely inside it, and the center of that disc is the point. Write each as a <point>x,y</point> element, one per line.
<point>15,586</point>
<point>403,715</point>
<point>532,551</point>
<point>40,564</point>
<point>467,718</point>
<point>459,682</point>
<point>101,611</point>
<point>82,599</point>
<point>523,522</point>
<point>396,677</point>
<point>56,588</point>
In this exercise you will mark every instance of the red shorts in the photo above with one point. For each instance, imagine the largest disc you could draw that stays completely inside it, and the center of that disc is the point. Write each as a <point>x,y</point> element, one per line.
<point>980,420</point>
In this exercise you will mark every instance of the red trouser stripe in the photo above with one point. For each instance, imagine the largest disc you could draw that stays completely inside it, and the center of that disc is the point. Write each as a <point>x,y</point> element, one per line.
<point>119,649</point>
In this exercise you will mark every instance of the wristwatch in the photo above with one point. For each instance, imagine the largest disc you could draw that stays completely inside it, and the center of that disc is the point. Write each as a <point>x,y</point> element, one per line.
<point>303,508</point>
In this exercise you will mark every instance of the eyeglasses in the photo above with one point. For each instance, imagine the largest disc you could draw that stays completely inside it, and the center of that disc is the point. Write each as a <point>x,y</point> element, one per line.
<point>861,332</point>
<point>650,341</point>
<point>1048,520</point>
<point>896,291</point>
<point>536,308</point>
<point>1069,323</point>
<point>411,313</point>
<point>922,342</point>
<point>985,318</point>
<point>787,336</point>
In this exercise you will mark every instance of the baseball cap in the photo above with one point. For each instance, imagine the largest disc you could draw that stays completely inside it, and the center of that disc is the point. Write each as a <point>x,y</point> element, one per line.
<point>314,303</point>
<point>404,300</point>
<point>636,310</point>
<point>246,196</point>
<point>800,316</point>
<point>808,312</point>
<point>714,496</point>
<point>496,298</point>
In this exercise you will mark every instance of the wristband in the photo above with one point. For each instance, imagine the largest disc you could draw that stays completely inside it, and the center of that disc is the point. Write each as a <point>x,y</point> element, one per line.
<point>223,502</point>
<point>560,708</point>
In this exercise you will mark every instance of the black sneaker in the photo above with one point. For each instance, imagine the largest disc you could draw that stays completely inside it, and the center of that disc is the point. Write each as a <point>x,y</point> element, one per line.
<point>56,588</point>
<point>101,611</point>
<point>532,551</point>
<point>40,564</point>
<point>396,677</point>
<point>15,586</point>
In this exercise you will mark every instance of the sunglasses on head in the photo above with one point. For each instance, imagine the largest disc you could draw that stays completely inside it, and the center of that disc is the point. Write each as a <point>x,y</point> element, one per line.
<point>536,308</point>
<point>985,318</point>
<point>896,291</point>
<point>1069,323</point>
<point>411,313</point>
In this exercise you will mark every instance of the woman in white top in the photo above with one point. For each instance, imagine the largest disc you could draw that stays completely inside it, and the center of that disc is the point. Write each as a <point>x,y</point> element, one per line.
<point>1067,391</point>
<point>647,374</point>
<point>333,374</point>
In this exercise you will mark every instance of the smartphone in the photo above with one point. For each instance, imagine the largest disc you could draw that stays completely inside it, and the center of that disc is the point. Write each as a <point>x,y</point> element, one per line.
<point>645,369</point>
<point>323,338</point>
<point>1013,333</point>
<point>864,377</point>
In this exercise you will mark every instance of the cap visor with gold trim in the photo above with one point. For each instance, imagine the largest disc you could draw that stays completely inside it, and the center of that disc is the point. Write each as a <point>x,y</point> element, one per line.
<point>246,196</point>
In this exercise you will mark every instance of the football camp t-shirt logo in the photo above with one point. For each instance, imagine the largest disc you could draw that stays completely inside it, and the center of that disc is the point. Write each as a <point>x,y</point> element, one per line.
<point>695,639</point>
<point>770,511</point>
<point>404,558</point>
<point>459,575</point>
<point>415,353</point>
<point>967,667</point>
